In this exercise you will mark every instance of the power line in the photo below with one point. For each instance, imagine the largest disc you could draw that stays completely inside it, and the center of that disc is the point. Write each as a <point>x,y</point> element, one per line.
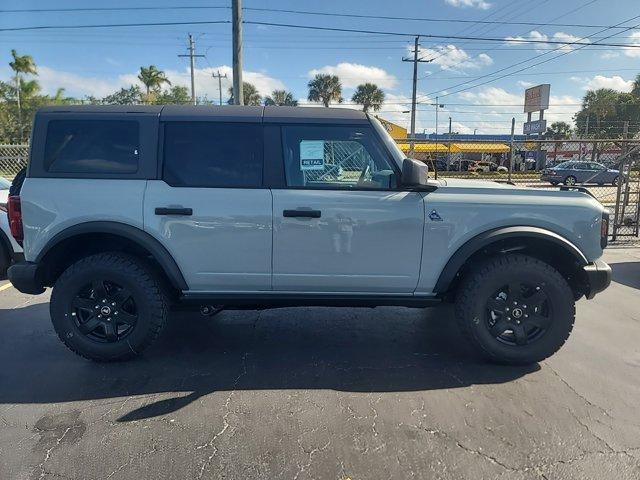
<point>305,12</point>
<point>523,62</point>
<point>456,37</point>
<point>316,27</point>
<point>111,25</point>
<point>109,9</point>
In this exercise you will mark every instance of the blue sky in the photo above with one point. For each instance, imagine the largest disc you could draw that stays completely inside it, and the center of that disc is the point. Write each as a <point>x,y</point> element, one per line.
<point>99,61</point>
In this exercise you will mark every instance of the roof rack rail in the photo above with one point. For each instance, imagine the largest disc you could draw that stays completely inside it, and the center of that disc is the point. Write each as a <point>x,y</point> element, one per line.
<point>567,188</point>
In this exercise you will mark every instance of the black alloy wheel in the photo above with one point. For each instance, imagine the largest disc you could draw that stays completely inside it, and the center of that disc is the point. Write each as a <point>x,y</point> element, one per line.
<point>519,313</point>
<point>104,311</point>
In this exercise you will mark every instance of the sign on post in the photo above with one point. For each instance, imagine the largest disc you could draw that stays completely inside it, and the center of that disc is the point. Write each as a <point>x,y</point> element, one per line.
<point>534,126</point>
<point>536,98</point>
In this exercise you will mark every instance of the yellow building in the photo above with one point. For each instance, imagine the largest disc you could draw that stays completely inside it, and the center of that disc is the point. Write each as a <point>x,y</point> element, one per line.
<point>396,131</point>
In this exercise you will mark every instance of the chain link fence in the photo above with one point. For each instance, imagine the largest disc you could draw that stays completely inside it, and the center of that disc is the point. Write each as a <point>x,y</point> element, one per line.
<point>608,169</point>
<point>13,158</point>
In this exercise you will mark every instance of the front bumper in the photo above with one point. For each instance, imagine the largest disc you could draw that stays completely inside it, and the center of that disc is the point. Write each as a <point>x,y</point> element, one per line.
<point>598,276</point>
<point>24,277</point>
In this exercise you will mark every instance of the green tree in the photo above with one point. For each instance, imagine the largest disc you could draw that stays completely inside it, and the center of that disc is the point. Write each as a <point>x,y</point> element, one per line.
<point>558,131</point>
<point>325,88</point>
<point>369,96</point>
<point>22,65</point>
<point>152,79</point>
<point>124,96</point>
<point>176,95</point>
<point>250,95</point>
<point>281,98</point>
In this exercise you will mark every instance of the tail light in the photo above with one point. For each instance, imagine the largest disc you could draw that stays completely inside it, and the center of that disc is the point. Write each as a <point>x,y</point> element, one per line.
<point>14,212</point>
<point>604,229</point>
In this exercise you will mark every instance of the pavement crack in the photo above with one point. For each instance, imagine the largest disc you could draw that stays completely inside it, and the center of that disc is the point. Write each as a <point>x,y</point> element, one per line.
<point>311,453</point>
<point>48,452</point>
<point>225,420</point>
<point>578,394</point>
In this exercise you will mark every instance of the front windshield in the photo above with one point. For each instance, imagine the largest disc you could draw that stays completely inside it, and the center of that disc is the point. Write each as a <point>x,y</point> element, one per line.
<point>391,145</point>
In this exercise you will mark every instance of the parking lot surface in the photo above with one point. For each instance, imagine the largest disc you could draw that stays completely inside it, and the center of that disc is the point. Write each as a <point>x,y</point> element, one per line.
<point>324,393</point>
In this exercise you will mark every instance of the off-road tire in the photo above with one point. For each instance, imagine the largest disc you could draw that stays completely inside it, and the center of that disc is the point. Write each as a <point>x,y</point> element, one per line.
<point>478,285</point>
<point>146,290</point>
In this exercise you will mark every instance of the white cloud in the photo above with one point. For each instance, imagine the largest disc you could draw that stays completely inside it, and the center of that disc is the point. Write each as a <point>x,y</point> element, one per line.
<point>562,108</point>
<point>600,81</point>
<point>609,55</point>
<point>450,57</point>
<point>481,4</point>
<point>523,84</point>
<point>79,86</point>
<point>634,39</point>
<point>353,74</point>
<point>542,37</point>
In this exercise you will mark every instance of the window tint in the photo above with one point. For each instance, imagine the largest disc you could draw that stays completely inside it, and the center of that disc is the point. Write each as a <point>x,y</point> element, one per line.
<point>92,146</point>
<point>330,157</point>
<point>212,154</point>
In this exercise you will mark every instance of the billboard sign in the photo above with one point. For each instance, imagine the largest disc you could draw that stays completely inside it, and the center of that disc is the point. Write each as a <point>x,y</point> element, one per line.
<point>536,98</point>
<point>535,126</point>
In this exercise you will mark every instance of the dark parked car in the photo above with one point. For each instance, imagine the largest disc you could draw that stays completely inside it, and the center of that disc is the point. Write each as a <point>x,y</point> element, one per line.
<point>572,173</point>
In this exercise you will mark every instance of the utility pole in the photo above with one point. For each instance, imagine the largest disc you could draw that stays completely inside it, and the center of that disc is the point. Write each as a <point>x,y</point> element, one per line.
<point>236,10</point>
<point>415,61</point>
<point>437,118</point>
<point>513,131</point>
<point>219,77</point>
<point>192,55</point>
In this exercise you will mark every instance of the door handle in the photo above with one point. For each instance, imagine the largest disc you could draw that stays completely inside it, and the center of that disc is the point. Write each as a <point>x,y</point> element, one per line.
<point>173,211</point>
<point>302,213</point>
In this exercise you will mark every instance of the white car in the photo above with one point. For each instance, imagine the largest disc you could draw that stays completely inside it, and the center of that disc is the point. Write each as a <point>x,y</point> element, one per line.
<point>9,248</point>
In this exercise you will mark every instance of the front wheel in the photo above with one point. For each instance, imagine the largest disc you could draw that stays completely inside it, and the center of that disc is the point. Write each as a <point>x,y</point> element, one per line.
<point>515,309</point>
<point>570,181</point>
<point>108,306</point>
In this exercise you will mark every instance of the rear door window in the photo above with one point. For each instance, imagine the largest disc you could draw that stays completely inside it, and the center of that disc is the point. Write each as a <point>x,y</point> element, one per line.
<point>213,154</point>
<point>92,146</point>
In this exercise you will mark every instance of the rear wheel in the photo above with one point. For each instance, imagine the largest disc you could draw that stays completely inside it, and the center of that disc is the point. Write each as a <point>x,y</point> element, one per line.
<point>108,306</point>
<point>570,180</point>
<point>515,309</point>
<point>616,181</point>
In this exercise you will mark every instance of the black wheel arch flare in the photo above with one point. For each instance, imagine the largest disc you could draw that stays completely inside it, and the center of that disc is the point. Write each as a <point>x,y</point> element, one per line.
<point>485,239</point>
<point>129,232</point>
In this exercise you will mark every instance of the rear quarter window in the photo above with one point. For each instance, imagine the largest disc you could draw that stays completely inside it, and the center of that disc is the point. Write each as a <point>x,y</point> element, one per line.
<point>213,154</point>
<point>92,147</point>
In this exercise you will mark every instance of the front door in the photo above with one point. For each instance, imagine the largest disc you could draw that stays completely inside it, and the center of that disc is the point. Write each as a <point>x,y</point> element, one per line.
<point>340,223</point>
<point>210,210</point>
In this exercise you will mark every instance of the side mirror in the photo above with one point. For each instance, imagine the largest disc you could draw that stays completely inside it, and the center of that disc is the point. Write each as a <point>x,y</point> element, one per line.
<point>414,173</point>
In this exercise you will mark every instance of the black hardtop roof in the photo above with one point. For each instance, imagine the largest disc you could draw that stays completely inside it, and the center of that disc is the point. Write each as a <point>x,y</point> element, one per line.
<point>230,113</point>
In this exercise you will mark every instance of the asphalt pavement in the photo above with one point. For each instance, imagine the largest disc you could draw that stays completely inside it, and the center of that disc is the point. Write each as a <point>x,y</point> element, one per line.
<point>324,393</point>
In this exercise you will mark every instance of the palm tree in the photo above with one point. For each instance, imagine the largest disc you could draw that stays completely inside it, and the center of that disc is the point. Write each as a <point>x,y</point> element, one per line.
<point>281,98</point>
<point>152,78</point>
<point>558,131</point>
<point>601,103</point>
<point>635,90</point>
<point>21,64</point>
<point>250,95</point>
<point>369,96</point>
<point>325,88</point>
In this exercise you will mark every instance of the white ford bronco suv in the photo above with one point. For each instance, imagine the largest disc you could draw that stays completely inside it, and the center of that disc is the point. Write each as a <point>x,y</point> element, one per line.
<point>128,211</point>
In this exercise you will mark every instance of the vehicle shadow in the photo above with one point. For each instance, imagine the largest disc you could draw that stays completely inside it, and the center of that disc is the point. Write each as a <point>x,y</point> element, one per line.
<point>355,350</point>
<point>626,273</point>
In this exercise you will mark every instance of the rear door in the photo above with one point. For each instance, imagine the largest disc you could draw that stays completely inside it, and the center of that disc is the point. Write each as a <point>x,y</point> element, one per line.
<point>340,223</point>
<point>209,208</point>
